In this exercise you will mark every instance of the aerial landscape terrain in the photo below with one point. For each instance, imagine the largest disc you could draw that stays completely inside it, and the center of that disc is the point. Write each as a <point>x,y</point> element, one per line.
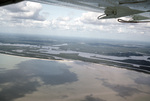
<point>44,68</point>
<point>74,50</point>
<point>124,54</point>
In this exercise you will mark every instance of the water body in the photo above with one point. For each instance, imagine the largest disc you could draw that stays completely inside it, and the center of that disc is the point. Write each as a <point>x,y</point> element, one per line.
<point>54,49</point>
<point>28,79</point>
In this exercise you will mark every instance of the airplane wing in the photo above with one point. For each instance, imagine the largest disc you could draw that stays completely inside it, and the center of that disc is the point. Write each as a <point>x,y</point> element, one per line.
<point>138,9</point>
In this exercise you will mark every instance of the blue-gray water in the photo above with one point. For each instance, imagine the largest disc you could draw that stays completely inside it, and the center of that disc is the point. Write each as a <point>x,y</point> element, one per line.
<point>27,79</point>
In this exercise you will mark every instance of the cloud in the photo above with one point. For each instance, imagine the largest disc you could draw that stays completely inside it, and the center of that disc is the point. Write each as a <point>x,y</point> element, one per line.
<point>25,10</point>
<point>89,19</point>
<point>86,22</point>
<point>32,15</point>
<point>64,18</point>
<point>90,22</point>
<point>24,14</point>
<point>66,23</point>
<point>28,14</point>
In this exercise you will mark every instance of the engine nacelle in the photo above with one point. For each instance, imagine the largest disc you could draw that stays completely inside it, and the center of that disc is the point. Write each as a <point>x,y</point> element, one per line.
<point>7,2</point>
<point>118,11</point>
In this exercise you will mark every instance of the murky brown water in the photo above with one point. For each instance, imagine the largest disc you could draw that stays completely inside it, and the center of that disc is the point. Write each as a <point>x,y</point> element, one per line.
<point>26,79</point>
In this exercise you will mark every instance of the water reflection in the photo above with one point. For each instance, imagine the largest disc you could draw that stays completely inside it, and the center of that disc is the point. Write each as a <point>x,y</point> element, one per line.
<point>42,80</point>
<point>122,90</point>
<point>91,98</point>
<point>17,89</point>
<point>23,80</point>
<point>143,80</point>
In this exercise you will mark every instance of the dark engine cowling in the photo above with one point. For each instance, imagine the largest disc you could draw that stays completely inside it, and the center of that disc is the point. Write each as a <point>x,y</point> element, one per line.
<point>7,2</point>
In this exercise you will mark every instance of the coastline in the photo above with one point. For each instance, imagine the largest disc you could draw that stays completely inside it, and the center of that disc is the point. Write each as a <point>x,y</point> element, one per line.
<point>35,57</point>
<point>130,67</point>
<point>34,79</point>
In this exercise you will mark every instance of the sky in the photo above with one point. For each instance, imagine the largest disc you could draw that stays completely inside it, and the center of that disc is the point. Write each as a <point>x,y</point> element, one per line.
<point>35,18</point>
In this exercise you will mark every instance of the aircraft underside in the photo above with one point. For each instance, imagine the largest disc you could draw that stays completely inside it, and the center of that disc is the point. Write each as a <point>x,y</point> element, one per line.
<point>138,10</point>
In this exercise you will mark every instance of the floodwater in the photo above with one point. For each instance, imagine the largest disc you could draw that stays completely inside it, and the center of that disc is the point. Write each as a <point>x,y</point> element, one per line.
<point>29,79</point>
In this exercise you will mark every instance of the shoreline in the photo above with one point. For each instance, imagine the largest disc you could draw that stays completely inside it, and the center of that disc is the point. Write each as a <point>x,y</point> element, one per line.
<point>93,81</point>
<point>70,60</point>
<point>36,57</point>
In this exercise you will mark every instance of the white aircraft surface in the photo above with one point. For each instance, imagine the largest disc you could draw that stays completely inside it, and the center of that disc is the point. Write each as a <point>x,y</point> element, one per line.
<point>138,10</point>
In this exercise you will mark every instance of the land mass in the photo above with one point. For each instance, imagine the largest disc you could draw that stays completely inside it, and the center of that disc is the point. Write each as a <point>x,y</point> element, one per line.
<point>112,53</point>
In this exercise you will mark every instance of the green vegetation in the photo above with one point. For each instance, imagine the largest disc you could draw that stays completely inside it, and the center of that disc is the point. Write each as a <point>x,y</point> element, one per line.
<point>31,46</point>
<point>127,54</point>
<point>139,62</point>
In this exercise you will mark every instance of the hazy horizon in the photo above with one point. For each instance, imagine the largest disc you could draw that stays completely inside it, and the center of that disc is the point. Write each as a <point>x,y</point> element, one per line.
<point>35,18</point>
